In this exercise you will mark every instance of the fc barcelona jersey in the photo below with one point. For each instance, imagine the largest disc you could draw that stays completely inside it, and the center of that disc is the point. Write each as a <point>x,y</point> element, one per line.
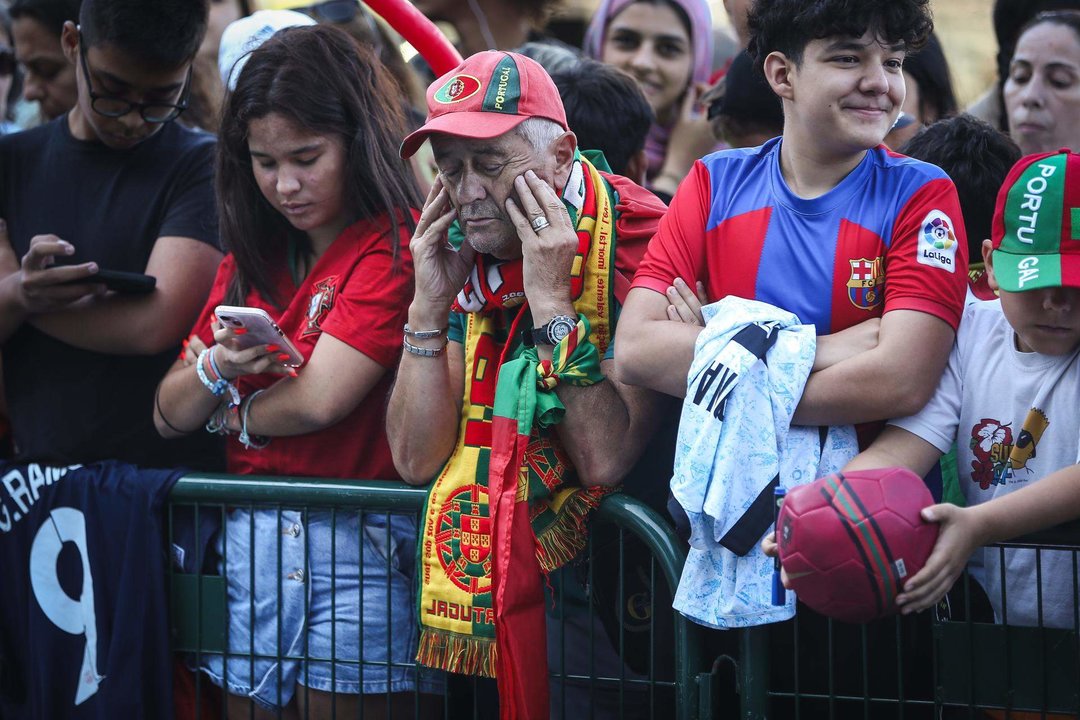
<point>889,236</point>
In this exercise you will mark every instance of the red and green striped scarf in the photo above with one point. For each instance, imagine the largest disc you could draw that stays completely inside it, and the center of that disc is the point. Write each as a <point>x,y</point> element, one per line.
<point>507,506</point>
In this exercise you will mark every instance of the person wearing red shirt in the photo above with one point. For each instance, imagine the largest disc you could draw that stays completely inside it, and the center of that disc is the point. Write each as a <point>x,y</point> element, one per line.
<point>318,209</point>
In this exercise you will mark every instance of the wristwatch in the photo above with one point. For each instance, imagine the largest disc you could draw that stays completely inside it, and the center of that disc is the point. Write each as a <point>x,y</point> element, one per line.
<point>555,330</point>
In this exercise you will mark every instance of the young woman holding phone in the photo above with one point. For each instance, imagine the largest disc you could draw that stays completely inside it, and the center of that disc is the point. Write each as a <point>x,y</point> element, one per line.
<point>316,212</point>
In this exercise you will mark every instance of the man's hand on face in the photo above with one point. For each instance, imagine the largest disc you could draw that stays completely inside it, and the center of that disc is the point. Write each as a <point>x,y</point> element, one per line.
<point>39,282</point>
<point>549,251</point>
<point>440,271</point>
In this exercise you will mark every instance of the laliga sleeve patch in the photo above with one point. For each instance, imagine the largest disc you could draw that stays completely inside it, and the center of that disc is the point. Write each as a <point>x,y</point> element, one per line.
<point>937,242</point>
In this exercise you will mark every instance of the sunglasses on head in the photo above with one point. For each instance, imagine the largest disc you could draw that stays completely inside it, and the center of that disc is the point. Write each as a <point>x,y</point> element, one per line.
<point>7,61</point>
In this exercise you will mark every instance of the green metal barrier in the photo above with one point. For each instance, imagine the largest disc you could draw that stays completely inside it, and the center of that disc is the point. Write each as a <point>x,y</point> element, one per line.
<point>199,600</point>
<point>962,666</point>
<point>906,668</point>
<point>811,667</point>
<point>1009,668</point>
<point>669,551</point>
<point>297,492</point>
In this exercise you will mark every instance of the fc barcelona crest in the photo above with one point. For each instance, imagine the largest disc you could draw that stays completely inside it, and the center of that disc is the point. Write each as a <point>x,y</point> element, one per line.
<point>864,285</point>
<point>322,299</point>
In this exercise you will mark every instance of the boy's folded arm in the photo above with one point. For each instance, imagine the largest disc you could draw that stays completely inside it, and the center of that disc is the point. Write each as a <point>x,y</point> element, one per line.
<point>651,350</point>
<point>839,346</point>
<point>895,379</point>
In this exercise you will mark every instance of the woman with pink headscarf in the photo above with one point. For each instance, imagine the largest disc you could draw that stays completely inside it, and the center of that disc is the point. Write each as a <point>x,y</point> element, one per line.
<point>667,46</point>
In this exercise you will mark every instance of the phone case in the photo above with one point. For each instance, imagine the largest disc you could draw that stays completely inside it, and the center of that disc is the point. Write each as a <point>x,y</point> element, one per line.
<point>127,282</point>
<point>118,281</point>
<point>261,330</point>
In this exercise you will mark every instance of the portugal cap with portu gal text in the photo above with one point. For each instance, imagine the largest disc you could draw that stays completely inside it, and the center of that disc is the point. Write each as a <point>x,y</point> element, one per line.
<point>1036,230</point>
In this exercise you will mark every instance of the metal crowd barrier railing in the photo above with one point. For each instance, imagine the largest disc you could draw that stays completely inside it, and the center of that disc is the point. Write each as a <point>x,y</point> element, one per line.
<point>951,662</point>
<point>628,656</point>
<point>811,667</point>
<point>989,669</point>
<point>617,649</point>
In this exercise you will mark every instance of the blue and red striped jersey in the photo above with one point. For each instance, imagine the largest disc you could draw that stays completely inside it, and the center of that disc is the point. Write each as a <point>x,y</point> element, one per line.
<point>889,236</point>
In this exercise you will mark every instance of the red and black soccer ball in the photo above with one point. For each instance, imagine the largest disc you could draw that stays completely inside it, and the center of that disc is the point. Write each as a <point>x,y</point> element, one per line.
<point>849,541</point>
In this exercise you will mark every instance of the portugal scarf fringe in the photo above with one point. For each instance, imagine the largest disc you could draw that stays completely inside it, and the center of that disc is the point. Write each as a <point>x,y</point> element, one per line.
<point>561,541</point>
<point>457,653</point>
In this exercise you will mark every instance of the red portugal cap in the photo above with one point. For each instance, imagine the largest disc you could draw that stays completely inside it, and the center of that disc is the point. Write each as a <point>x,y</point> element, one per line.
<point>488,94</point>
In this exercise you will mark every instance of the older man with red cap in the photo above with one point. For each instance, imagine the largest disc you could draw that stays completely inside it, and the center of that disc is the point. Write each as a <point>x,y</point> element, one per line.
<point>506,395</point>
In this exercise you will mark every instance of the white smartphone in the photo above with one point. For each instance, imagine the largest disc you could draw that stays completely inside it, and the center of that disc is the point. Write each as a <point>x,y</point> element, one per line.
<point>261,330</point>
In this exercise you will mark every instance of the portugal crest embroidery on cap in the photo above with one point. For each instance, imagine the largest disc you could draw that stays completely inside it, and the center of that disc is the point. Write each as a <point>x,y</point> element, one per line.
<point>322,299</point>
<point>864,285</point>
<point>456,89</point>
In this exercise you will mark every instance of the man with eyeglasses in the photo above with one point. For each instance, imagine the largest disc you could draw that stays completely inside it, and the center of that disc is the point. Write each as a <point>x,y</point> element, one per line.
<point>113,184</point>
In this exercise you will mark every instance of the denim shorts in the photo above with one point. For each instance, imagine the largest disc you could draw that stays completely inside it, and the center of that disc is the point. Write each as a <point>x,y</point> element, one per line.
<point>316,579</point>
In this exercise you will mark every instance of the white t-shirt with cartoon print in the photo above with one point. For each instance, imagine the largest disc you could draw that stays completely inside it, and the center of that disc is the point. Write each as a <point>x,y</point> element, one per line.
<point>1015,418</point>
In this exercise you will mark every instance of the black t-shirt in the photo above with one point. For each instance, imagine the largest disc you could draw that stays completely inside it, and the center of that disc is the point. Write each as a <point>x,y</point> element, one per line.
<point>71,405</point>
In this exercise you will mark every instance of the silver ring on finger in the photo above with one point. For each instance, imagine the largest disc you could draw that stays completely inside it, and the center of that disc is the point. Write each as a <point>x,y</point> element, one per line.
<point>539,223</point>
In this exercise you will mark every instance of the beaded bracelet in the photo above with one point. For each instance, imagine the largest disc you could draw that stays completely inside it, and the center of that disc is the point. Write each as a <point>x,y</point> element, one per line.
<point>216,387</point>
<point>219,385</point>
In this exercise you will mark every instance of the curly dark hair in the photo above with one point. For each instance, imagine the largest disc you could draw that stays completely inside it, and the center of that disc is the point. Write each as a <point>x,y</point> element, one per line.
<point>788,25</point>
<point>325,82</point>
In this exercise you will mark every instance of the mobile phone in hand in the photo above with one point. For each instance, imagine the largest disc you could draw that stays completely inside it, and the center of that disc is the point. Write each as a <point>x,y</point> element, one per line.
<point>118,281</point>
<point>261,330</point>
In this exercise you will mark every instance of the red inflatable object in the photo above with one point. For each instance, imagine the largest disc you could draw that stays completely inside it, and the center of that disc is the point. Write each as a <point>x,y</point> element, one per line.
<point>419,32</point>
<point>849,541</point>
